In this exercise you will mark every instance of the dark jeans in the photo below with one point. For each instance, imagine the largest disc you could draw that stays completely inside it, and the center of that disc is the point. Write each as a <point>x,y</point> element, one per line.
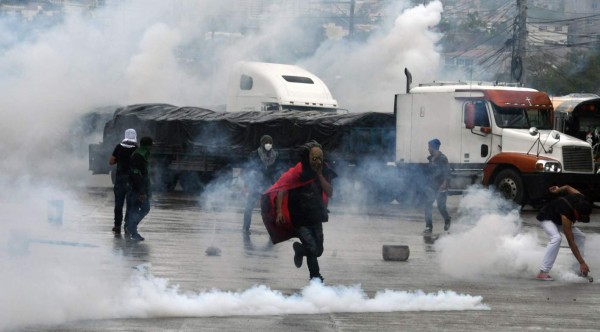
<point>137,211</point>
<point>121,189</point>
<point>312,246</point>
<point>440,197</point>
<point>250,203</point>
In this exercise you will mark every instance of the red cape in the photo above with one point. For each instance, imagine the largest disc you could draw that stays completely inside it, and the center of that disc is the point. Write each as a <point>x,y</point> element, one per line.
<point>289,180</point>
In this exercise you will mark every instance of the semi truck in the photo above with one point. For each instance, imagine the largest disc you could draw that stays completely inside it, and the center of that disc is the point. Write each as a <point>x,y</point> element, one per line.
<point>260,86</point>
<point>193,146</point>
<point>493,134</point>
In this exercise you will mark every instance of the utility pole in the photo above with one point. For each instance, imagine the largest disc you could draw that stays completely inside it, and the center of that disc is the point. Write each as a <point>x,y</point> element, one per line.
<point>519,50</point>
<point>351,23</point>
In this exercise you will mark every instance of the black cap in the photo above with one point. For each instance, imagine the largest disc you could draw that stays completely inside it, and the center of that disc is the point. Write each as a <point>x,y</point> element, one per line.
<point>266,138</point>
<point>146,141</point>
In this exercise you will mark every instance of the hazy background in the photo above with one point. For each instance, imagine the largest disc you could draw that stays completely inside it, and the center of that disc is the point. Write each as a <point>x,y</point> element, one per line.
<point>164,51</point>
<point>150,51</point>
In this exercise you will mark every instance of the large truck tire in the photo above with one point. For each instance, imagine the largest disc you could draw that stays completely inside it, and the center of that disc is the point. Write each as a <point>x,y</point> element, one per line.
<point>510,184</point>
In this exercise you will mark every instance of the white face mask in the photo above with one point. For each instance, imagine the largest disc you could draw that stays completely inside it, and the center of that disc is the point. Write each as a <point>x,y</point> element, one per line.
<point>268,147</point>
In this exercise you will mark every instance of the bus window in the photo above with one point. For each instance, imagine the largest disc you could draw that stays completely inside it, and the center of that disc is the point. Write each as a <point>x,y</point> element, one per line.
<point>589,129</point>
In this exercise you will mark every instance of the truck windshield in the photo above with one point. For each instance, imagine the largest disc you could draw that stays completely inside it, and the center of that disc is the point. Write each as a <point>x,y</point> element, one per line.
<point>521,118</point>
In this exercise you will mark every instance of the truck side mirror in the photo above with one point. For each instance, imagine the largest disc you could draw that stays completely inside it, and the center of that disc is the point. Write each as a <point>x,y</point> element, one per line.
<point>470,116</point>
<point>533,131</point>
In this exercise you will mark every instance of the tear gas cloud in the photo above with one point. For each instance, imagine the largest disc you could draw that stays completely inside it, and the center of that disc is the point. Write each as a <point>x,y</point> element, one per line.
<point>144,295</point>
<point>46,267</point>
<point>488,240</point>
<point>158,51</point>
<point>366,76</point>
<point>55,274</point>
<point>130,52</point>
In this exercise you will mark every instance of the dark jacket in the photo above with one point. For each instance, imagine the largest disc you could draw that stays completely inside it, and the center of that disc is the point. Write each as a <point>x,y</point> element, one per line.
<point>260,176</point>
<point>306,203</point>
<point>140,172</point>
<point>123,157</point>
<point>438,170</point>
<point>560,206</point>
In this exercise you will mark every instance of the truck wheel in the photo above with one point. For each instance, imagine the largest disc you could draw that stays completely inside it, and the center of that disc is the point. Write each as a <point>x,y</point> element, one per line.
<point>509,183</point>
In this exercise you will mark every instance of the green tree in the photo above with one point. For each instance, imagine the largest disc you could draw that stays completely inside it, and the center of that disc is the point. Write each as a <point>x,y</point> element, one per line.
<point>579,73</point>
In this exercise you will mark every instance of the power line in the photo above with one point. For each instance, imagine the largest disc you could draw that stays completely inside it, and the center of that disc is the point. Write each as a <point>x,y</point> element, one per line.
<point>566,20</point>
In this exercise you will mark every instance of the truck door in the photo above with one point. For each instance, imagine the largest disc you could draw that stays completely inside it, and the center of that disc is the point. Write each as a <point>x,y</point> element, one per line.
<point>476,134</point>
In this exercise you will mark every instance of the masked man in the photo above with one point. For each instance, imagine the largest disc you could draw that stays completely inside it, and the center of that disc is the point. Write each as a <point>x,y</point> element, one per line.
<point>141,187</point>
<point>296,205</point>
<point>260,174</point>
<point>121,156</point>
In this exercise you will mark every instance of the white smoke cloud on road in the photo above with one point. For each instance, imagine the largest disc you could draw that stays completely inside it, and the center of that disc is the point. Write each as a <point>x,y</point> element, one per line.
<point>488,240</point>
<point>71,292</point>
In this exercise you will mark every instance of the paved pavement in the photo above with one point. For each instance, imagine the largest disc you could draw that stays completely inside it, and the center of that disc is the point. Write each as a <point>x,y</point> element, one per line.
<point>78,277</point>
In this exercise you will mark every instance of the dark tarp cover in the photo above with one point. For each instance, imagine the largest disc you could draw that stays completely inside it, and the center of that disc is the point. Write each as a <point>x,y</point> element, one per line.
<point>197,129</point>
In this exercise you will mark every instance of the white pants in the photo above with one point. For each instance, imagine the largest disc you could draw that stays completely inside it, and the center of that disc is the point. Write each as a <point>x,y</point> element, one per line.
<point>553,246</point>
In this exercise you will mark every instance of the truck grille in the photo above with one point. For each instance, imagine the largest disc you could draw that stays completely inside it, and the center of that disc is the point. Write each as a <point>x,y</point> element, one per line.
<point>577,159</point>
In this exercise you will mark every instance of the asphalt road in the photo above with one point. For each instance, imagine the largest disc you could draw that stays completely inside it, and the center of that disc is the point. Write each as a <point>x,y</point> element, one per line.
<point>197,271</point>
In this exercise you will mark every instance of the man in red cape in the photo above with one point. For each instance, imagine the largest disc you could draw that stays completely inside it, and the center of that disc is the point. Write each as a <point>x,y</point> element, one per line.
<point>296,205</point>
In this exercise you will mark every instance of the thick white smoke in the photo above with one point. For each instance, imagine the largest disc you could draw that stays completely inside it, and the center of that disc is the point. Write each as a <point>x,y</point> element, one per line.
<point>488,240</point>
<point>167,51</point>
<point>143,51</point>
<point>70,292</point>
<point>366,76</point>
<point>56,273</point>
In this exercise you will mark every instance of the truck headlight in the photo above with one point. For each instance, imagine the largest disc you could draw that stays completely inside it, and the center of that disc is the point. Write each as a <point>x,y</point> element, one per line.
<point>548,166</point>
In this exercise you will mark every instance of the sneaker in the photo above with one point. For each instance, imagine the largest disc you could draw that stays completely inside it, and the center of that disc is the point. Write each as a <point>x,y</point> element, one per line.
<point>298,257</point>
<point>544,276</point>
<point>427,230</point>
<point>137,237</point>
<point>447,226</point>
<point>116,229</point>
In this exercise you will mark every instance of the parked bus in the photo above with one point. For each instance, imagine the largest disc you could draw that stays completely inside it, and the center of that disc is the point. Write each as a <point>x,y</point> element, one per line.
<point>578,115</point>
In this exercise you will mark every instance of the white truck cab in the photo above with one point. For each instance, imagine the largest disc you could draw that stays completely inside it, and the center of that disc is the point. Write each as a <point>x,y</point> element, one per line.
<point>491,134</point>
<point>260,86</point>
